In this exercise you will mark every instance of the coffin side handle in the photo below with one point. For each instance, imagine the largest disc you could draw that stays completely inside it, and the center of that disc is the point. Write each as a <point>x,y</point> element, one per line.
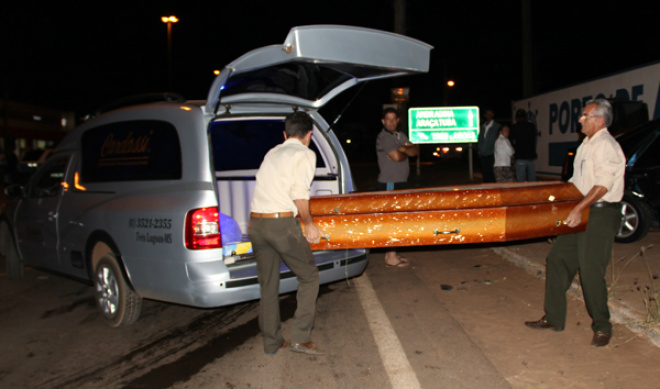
<point>457,231</point>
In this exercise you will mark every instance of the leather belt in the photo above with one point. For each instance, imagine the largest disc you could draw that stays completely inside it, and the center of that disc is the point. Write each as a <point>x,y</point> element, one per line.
<point>605,204</point>
<point>275,215</point>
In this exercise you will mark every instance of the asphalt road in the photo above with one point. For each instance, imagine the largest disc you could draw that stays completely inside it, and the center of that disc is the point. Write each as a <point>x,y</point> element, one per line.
<point>452,320</point>
<point>384,327</point>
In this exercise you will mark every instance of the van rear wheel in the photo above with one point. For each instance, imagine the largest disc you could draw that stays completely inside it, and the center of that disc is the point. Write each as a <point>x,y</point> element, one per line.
<point>115,298</point>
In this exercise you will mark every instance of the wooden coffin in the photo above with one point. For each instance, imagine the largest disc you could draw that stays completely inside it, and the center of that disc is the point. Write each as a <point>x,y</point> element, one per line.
<point>446,215</point>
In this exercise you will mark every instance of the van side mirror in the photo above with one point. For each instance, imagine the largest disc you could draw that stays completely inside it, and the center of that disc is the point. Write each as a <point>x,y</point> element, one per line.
<point>15,191</point>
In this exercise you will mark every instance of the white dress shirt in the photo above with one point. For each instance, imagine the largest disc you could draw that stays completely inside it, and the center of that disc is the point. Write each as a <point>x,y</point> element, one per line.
<point>285,174</point>
<point>600,161</point>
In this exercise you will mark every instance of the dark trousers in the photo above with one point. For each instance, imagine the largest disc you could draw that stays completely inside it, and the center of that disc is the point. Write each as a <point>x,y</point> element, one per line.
<point>274,241</point>
<point>487,170</point>
<point>589,252</point>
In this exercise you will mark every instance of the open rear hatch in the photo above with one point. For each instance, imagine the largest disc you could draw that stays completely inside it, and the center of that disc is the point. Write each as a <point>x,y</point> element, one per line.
<point>315,64</point>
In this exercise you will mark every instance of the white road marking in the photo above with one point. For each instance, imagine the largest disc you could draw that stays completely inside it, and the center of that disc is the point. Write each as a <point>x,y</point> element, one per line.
<point>395,361</point>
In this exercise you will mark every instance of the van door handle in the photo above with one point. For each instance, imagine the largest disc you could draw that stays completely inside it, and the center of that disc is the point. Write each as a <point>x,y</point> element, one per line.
<point>52,216</point>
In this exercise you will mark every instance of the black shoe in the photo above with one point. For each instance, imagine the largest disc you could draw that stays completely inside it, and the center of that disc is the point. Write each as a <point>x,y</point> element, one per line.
<point>600,339</point>
<point>543,324</point>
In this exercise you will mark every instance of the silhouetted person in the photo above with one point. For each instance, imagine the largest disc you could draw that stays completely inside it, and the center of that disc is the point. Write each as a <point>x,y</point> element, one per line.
<point>523,138</point>
<point>486,145</point>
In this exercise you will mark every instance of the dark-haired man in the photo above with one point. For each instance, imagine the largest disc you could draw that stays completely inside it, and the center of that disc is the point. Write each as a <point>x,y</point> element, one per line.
<point>393,150</point>
<point>486,145</point>
<point>281,192</point>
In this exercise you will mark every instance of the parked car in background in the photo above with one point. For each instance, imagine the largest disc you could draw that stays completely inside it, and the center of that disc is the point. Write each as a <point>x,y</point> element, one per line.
<point>641,201</point>
<point>30,160</point>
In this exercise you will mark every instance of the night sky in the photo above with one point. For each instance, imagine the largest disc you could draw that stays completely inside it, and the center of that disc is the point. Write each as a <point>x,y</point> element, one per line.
<point>79,55</point>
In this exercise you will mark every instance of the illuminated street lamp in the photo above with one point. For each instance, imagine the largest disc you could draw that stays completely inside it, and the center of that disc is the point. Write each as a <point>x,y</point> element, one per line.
<point>400,94</point>
<point>169,20</point>
<point>450,84</point>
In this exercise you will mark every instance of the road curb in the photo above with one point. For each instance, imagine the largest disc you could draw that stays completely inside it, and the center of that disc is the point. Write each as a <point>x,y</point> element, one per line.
<point>620,313</point>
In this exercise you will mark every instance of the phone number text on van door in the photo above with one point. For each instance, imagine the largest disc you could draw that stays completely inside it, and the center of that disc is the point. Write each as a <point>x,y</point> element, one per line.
<point>151,224</point>
<point>146,222</point>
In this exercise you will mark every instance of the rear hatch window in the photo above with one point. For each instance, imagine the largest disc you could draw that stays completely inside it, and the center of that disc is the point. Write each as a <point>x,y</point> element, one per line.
<point>304,80</point>
<point>242,144</point>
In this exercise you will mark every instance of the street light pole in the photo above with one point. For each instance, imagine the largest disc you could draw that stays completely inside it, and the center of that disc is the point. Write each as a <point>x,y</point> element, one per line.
<point>169,20</point>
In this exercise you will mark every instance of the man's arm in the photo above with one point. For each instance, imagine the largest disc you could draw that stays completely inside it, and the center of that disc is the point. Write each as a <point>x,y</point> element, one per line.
<point>575,217</point>
<point>312,232</point>
<point>409,149</point>
<point>397,156</point>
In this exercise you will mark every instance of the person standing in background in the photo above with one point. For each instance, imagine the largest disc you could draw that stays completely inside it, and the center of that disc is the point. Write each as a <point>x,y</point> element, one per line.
<point>486,145</point>
<point>393,150</point>
<point>523,138</point>
<point>503,157</point>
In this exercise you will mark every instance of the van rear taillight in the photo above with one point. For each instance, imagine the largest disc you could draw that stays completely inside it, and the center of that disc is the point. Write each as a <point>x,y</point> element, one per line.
<point>203,229</point>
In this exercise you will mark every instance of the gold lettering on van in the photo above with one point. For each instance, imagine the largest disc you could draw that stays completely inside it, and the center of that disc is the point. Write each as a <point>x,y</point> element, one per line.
<point>129,145</point>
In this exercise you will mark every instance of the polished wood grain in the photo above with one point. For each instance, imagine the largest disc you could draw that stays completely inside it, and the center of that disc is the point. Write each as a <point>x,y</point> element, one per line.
<point>446,215</point>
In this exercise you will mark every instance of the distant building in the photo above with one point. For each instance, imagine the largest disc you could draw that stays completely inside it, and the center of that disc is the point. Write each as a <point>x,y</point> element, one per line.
<point>27,127</point>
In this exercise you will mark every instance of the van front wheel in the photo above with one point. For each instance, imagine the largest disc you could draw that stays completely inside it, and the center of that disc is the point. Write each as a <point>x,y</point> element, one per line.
<point>115,298</point>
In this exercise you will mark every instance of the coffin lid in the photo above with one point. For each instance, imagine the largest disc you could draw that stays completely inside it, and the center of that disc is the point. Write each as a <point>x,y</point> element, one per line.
<point>446,198</point>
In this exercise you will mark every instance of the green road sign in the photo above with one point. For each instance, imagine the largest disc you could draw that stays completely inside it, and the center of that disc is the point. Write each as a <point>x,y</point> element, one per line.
<point>443,125</point>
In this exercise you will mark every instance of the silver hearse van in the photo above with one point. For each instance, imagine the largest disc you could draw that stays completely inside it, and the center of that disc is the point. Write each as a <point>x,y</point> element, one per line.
<point>144,200</point>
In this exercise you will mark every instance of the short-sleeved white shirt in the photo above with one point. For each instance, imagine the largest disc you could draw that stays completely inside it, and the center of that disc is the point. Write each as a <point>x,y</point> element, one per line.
<point>285,174</point>
<point>600,161</point>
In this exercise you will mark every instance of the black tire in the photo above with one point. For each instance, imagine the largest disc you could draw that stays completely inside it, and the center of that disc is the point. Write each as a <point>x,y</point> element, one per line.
<point>636,219</point>
<point>115,298</point>
<point>15,268</point>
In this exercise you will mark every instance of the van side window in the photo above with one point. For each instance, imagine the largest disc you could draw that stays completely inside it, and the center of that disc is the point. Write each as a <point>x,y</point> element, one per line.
<point>130,151</point>
<point>242,144</point>
<point>47,182</point>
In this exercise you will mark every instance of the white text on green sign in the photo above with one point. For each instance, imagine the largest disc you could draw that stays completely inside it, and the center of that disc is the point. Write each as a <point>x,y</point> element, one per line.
<point>444,125</point>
